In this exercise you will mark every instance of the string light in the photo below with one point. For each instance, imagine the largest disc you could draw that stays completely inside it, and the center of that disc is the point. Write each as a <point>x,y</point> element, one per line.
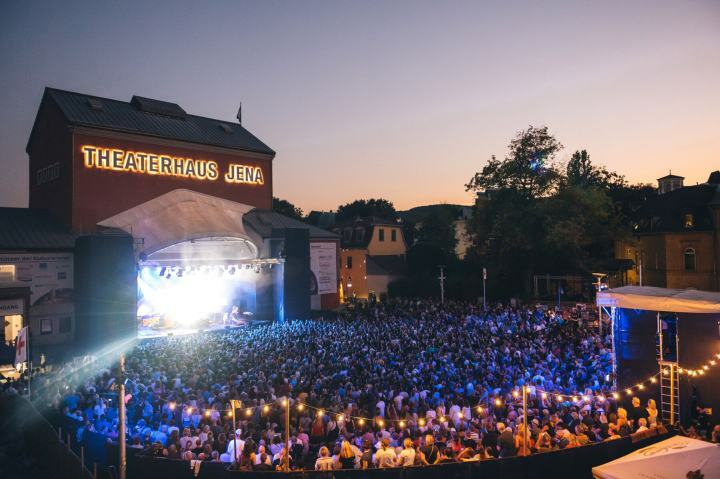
<point>616,396</point>
<point>544,395</point>
<point>381,423</point>
<point>402,424</point>
<point>266,409</point>
<point>460,415</point>
<point>300,407</point>
<point>479,409</point>
<point>601,398</point>
<point>361,421</point>
<point>421,421</point>
<point>498,402</point>
<point>171,406</point>
<point>207,413</point>
<point>515,394</point>
<point>574,399</point>
<point>189,410</point>
<point>586,398</point>
<point>248,412</point>
<point>559,398</point>
<point>628,391</point>
<point>320,413</point>
<point>653,380</point>
<point>284,402</point>
<point>442,419</point>
<point>641,387</point>
<point>229,414</point>
<point>340,418</point>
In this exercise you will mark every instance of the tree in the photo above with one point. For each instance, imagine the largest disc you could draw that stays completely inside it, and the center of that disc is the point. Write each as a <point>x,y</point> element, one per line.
<point>582,173</point>
<point>286,208</point>
<point>529,169</point>
<point>377,207</point>
<point>438,230</point>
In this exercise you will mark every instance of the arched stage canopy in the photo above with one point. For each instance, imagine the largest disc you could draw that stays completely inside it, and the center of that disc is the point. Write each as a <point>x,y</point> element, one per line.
<point>650,298</point>
<point>181,217</point>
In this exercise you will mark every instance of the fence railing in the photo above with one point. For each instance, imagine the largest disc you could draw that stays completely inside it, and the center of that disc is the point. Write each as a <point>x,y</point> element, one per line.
<point>568,463</point>
<point>38,449</point>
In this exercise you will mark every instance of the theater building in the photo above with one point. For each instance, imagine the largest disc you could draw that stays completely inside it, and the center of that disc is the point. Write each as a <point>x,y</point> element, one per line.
<point>171,220</point>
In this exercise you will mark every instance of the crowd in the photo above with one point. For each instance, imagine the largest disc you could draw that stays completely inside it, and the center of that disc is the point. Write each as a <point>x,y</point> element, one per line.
<point>383,385</point>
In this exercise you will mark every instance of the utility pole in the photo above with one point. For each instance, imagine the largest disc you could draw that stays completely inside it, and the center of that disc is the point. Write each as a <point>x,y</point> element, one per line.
<point>598,285</point>
<point>484,293</point>
<point>121,419</point>
<point>442,284</point>
<point>286,461</point>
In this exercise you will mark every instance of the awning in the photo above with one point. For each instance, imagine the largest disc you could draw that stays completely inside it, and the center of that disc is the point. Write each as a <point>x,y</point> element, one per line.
<point>671,458</point>
<point>182,215</point>
<point>661,299</point>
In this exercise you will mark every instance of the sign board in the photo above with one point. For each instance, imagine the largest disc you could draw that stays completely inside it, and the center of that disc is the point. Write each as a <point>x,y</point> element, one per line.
<point>10,307</point>
<point>145,163</point>
<point>323,265</point>
<point>50,279</point>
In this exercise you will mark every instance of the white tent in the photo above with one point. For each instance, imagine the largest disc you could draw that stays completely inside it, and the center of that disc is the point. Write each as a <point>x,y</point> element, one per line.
<point>668,459</point>
<point>660,299</point>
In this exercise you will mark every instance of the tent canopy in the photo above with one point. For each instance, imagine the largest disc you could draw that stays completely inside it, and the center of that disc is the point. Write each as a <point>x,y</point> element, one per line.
<point>183,215</point>
<point>661,299</point>
<point>671,458</point>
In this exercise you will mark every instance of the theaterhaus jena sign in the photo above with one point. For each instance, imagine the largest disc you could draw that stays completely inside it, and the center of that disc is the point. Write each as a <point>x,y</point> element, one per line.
<point>164,165</point>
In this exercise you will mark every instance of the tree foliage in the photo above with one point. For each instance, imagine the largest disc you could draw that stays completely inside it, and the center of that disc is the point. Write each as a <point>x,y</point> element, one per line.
<point>378,207</point>
<point>539,217</point>
<point>286,208</point>
<point>529,170</point>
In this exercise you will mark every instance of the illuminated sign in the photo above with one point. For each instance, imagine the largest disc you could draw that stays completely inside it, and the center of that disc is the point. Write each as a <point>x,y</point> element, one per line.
<point>165,165</point>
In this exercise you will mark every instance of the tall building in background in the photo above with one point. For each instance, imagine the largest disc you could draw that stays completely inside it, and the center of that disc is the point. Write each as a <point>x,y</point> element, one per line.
<point>677,241</point>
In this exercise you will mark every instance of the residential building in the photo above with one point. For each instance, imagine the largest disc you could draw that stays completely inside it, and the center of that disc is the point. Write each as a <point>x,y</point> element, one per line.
<point>372,256</point>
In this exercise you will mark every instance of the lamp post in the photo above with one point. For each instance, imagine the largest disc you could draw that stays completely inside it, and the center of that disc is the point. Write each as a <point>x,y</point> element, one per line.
<point>525,430</point>
<point>484,293</point>
<point>287,434</point>
<point>442,284</point>
<point>121,419</point>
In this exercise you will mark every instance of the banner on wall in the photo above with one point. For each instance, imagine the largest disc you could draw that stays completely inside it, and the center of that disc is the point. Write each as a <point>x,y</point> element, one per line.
<point>323,265</point>
<point>50,279</point>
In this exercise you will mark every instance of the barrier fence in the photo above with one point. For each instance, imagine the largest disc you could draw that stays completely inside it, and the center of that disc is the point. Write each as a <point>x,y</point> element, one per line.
<point>37,449</point>
<point>568,463</point>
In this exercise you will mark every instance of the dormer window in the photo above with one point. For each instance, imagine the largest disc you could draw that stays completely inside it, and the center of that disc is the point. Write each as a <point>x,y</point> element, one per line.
<point>689,221</point>
<point>359,234</point>
<point>347,234</point>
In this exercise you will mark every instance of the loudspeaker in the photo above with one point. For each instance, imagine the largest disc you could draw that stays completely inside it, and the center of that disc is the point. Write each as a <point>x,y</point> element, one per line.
<point>105,290</point>
<point>296,284</point>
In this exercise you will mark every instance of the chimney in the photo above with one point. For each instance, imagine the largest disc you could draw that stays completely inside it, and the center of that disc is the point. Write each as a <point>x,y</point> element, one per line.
<point>239,114</point>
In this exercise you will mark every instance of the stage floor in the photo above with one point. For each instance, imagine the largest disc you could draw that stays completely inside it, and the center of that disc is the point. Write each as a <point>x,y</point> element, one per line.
<point>161,333</point>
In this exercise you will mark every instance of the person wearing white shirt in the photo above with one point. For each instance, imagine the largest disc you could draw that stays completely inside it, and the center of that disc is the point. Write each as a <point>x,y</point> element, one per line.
<point>232,452</point>
<point>324,462</point>
<point>407,455</point>
<point>385,456</point>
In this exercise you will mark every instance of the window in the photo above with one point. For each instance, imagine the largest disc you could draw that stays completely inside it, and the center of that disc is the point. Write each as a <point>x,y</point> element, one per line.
<point>62,275</point>
<point>45,327</point>
<point>689,259</point>
<point>359,234</point>
<point>348,262</point>
<point>381,234</point>
<point>689,221</point>
<point>65,325</point>
<point>393,235</point>
<point>347,234</point>
<point>7,272</point>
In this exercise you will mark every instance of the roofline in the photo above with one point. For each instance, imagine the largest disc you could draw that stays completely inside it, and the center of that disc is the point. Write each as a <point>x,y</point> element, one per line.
<point>270,152</point>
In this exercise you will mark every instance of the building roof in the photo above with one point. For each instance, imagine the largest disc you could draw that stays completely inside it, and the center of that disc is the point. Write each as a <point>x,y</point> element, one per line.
<point>362,231</point>
<point>671,177</point>
<point>32,229</point>
<point>265,221</point>
<point>381,265</point>
<point>146,116</point>
<point>666,213</point>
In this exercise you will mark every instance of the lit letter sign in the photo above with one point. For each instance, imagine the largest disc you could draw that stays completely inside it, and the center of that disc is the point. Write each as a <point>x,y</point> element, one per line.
<point>163,165</point>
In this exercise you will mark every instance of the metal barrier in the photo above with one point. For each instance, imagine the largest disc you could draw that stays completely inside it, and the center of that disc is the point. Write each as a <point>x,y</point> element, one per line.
<point>38,449</point>
<point>572,463</point>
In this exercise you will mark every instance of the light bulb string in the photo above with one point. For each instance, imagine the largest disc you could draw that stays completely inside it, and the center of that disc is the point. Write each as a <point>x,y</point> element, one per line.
<point>575,396</point>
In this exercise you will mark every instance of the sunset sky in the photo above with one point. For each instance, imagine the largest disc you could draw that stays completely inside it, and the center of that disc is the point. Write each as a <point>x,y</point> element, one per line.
<point>403,100</point>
